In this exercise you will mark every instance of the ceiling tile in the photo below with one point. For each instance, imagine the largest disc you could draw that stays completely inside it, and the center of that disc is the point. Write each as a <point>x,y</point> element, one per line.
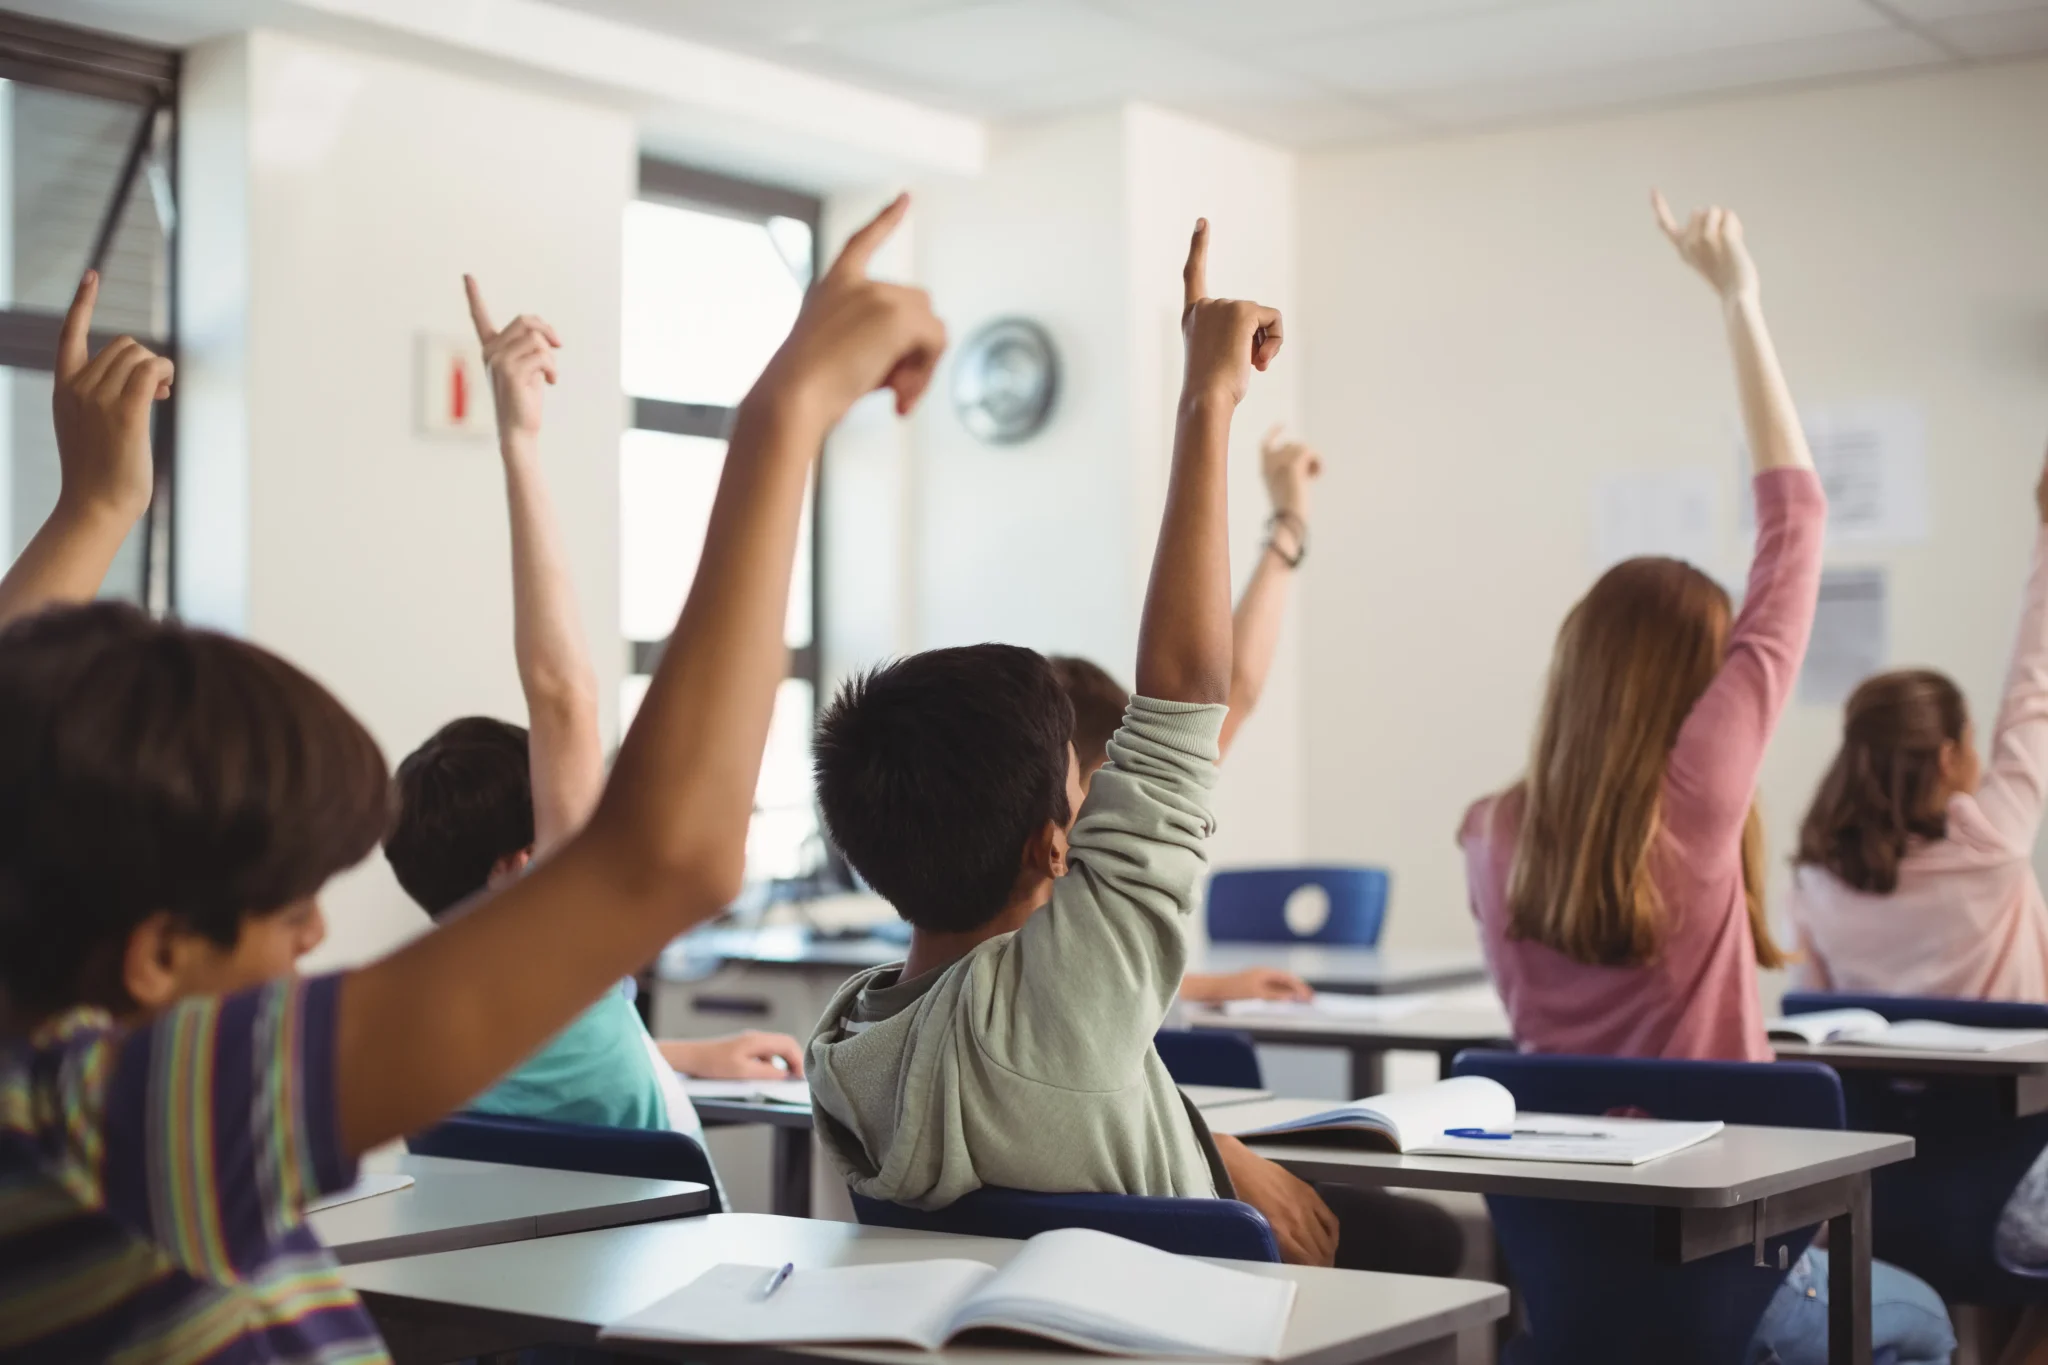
<point>2014,33</point>
<point>771,22</point>
<point>1934,11</point>
<point>1234,21</point>
<point>1531,44</point>
<point>1665,78</point>
<point>1325,122</point>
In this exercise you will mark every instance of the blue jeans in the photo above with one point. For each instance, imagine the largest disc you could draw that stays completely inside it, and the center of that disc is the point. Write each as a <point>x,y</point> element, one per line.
<point>1908,1322</point>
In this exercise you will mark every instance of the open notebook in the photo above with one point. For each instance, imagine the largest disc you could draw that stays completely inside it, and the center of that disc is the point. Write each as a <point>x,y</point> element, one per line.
<point>1080,1288</point>
<point>1475,1116</point>
<point>797,1092</point>
<point>1867,1028</point>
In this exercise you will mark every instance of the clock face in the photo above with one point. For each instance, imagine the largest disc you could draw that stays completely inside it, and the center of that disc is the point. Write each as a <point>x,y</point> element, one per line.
<point>1005,380</point>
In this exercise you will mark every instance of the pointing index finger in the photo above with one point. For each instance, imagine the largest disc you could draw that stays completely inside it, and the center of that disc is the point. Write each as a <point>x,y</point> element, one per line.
<point>1194,276</point>
<point>478,314</point>
<point>861,247</point>
<point>1663,212</point>
<point>71,340</point>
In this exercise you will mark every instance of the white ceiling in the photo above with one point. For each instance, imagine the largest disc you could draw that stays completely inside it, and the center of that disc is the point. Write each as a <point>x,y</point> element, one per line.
<point>1321,72</point>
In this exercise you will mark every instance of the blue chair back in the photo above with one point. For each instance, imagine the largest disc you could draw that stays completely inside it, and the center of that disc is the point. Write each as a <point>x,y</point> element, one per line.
<point>1248,905</point>
<point>1590,1290</point>
<point>1210,1057</point>
<point>1192,1227</point>
<point>1937,1215</point>
<point>657,1154</point>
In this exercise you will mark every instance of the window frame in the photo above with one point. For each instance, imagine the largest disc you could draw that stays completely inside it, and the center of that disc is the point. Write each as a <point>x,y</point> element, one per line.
<point>673,183</point>
<point>88,62</point>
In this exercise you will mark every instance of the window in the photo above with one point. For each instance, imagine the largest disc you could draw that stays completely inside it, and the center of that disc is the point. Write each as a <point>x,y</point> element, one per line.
<point>715,270</point>
<point>87,169</point>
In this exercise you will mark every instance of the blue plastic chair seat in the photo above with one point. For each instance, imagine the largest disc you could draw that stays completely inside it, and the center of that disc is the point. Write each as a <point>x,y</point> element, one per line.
<point>1192,1227</point>
<point>1210,1057</point>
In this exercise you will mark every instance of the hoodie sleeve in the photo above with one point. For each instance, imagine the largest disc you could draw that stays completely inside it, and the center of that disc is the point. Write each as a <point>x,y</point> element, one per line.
<point>1083,986</point>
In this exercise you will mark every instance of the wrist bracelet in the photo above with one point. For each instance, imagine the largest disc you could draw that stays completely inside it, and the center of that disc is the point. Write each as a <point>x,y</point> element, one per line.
<point>1300,529</point>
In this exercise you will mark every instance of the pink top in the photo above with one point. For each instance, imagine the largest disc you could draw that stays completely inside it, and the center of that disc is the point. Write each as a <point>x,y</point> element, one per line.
<point>1698,998</point>
<point>1966,918</point>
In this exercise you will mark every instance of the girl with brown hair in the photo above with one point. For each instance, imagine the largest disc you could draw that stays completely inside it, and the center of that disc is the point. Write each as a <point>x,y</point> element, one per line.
<point>1915,870</point>
<point>1618,885</point>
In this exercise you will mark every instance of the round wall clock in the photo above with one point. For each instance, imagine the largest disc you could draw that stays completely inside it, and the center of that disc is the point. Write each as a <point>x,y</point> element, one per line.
<point>1005,380</point>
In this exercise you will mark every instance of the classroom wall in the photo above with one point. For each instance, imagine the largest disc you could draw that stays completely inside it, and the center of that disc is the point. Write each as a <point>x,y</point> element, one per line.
<point>1496,323</point>
<point>357,190</point>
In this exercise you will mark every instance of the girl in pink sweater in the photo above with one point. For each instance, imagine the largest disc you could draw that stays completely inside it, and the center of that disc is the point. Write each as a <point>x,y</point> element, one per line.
<point>1618,886</point>
<point>1915,873</point>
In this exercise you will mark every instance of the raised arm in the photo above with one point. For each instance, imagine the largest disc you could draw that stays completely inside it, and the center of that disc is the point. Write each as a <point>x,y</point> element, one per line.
<point>564,748</point>
<point>2016,779</point>
<point>430,1026</point>
<point>1714,764</point>
<point>1184,637</point>
<point>1289,467</point>
<point>102,406</point>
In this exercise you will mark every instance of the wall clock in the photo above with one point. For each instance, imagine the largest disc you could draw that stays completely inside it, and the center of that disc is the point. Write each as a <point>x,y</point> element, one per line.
<point>1005,380</point>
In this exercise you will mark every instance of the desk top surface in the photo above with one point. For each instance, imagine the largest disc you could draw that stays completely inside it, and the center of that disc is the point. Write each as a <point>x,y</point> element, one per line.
<point>1738,1165</point>
<point>453,1204</point>
<point>2028,1059</point>
<point>715,1110</point>
<point>582,1281</point>
<point>1429,1029</point>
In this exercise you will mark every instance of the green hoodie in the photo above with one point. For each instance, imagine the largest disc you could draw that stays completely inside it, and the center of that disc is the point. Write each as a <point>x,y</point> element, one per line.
<point>1029,1062</point>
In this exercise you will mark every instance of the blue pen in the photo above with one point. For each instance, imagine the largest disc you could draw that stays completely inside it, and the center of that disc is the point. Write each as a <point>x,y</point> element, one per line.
<point>778,1279</point>
<point>1477,1133</point>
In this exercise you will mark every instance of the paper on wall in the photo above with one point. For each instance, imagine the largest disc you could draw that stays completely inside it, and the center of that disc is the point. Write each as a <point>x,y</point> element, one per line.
<point>1851,635</point>
<point>1871,456</point>
<point>1655,512</point>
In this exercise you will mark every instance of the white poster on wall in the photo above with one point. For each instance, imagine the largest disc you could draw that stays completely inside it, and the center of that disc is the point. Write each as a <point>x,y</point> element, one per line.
<point>1871,456</point>
<point>1851,635</point>
<point>1655,512</point>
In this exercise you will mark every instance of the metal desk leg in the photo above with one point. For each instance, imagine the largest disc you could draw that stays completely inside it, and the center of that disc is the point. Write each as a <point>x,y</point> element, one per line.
<point>1849,1278</point>
<point>789,1172</point>
<point>1368,1071</point>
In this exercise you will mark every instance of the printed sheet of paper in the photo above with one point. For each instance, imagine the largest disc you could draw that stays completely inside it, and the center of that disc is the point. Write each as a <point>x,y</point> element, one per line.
<point>1872,460</point>
<point>1851,635</point>
<point>1655,512</point>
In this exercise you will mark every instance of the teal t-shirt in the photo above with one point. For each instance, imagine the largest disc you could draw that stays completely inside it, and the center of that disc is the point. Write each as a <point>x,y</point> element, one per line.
<point>597,1070</point>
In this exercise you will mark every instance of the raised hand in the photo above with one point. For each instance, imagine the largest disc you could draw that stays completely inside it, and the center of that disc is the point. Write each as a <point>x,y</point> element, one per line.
<point>1289,467</point>
<point>1226,338</point>
<point>102,406</point>
<point>1711,243</point>
<point>855,335</point>
<point>520,360</point>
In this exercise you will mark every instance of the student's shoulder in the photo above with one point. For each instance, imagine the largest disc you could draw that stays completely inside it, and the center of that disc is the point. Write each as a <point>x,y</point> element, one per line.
<point>1491,819</point>
<point>56,1076</point>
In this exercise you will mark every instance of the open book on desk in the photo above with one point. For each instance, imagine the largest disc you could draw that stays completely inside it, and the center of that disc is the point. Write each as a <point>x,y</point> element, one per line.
<point>1080,1288</point>
<point>1868,1028</point>
<point>797,1092</point>
<point>1475,1116</point>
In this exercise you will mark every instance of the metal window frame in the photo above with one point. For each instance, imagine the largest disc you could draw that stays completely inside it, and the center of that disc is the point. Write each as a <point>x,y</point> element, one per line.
<point>669,182</point>
<point>88,62</point>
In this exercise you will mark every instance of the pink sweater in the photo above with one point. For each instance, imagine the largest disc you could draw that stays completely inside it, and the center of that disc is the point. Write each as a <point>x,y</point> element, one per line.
<point>1967,917</point>
<point>1698,998</point>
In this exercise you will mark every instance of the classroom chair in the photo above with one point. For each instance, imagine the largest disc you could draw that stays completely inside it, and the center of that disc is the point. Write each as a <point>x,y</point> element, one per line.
<point>1249,904</point>
<point>601,1150</point>
<point>1192,1227</point>
<point>1588,1285</point>
<point>1937,1214</point>
<point>1210,1057</point>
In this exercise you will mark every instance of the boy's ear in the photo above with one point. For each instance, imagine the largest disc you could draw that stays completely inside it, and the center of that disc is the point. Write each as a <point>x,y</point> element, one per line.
<point>149,966</point>
<point>1045,853</point>
<point>510,867</point>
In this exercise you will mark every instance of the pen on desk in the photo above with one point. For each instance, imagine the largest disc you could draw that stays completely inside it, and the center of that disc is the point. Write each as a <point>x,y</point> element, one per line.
<point>778,1279</point>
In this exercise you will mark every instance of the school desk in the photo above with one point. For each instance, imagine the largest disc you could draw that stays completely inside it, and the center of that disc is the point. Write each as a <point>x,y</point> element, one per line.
<point>2022,1071</point>
<point>790,1133</point>
<point>1345,970</point>
<point>1737,1188</point>
<point>459,1204</point>
<point>563,1290</point>
<point>1445,1030</point>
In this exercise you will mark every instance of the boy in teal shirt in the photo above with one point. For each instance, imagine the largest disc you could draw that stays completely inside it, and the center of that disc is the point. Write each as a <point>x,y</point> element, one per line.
<point>481,800</point>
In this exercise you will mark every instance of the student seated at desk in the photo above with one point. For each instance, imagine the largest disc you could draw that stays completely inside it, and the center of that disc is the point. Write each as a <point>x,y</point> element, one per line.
<point>1619,885</point>
<point>1099,700</point>
<point>172,801</point>
<point>1014,1046</point>
<point>482,799</point>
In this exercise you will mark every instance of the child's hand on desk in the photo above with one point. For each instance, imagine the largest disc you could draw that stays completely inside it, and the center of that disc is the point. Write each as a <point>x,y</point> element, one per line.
<point>101,406</point>
<point>742,1057</point>
<point>1253,983</point>
<point>1226,338</point>
<point>1302,1222</point>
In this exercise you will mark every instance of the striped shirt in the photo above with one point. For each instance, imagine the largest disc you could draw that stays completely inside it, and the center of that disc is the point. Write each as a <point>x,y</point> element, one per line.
<point>153,1185</point>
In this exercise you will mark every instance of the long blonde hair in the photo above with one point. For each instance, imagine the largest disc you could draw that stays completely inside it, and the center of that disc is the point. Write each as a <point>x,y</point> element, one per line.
<point>1632,658</point>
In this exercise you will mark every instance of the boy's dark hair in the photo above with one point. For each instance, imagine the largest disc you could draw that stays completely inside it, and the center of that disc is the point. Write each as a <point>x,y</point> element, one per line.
<point>934,771</point>
<point>1099,701</point>
<point>146,766</point>
<point>465,800</point>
